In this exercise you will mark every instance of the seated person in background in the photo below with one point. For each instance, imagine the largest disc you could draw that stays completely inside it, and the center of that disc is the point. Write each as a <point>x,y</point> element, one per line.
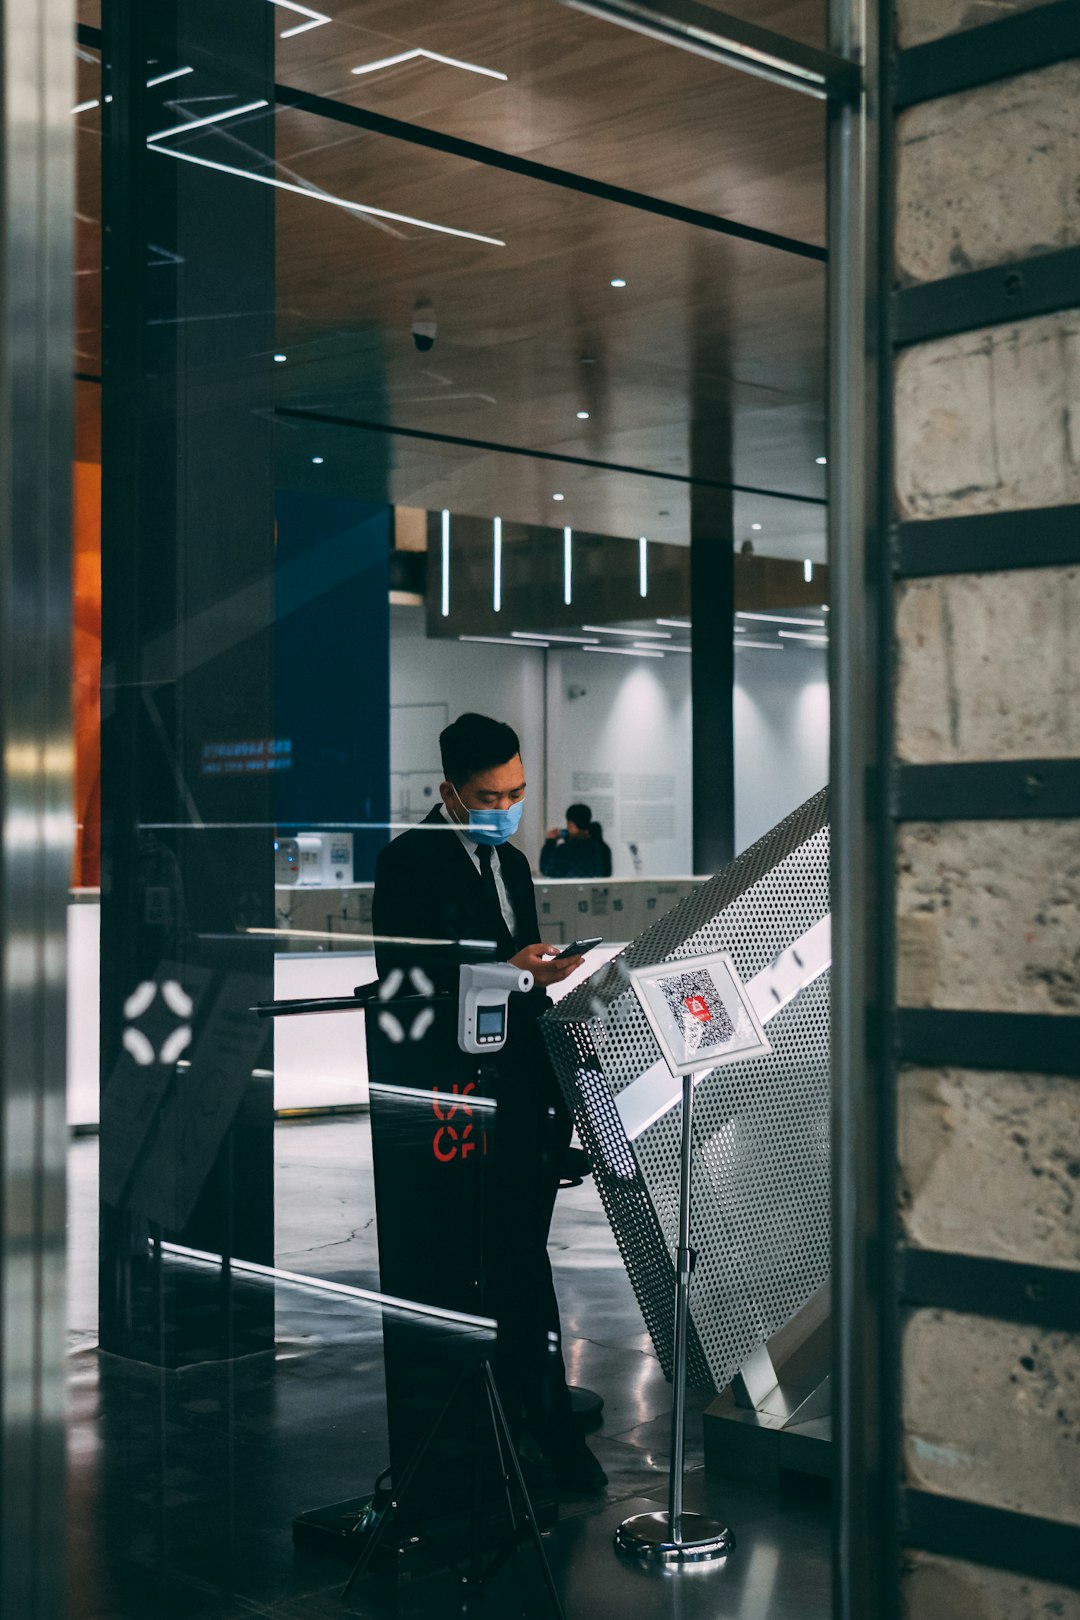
<point>578,851</point>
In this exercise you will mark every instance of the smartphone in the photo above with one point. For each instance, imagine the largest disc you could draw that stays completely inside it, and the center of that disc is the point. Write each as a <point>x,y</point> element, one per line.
<point>578,947</point>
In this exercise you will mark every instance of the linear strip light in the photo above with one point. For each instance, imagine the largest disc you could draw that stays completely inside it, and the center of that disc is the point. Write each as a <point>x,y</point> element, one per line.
<point>432,56</point>
<point>760,646</point>
<point>643,566</point>
<point>496,564</point>
<point>317,18</point>
<point>84,106</point>
<point>163,78</point>
<point>781,618</point>
<point>627,652</point>
<point>686,650</point>
<point>676,624</point>
<point>610,630</point>
<point>549,635</point>
<point>324,196</point>
<point>445,597</point>
<point>506,641</point>
<point>211,118</point>
<point>567,566</point>
<point>797,635</point>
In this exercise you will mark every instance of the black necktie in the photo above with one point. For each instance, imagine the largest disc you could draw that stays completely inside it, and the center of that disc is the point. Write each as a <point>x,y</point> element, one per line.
<point>503,937</point>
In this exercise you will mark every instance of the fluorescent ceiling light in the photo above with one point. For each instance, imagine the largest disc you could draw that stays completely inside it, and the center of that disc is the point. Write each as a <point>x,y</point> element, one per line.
<point>316,18</point>
<point>807,570</point>
<point>609,630</point>
<point>431,56</point>
<point>755,525</point>
<point>761,646</point>
<point>618,281</point>
<point>583,416</point>
<point>163,78</point>
<point>84,106</point>
<point>445,597</point>
<point>643,566</point>
<point>317,461</point>
<point>676,624</point>
<point>796,635</point>
<point>781,618</point>
<point>567,566</point>
<point>822,461</point>
<point>558,497</point>
<point>211,118</point>
<point>549,635</point>
<point>496,565</point>
<point>627,652</point>
<point>323,196</point>
<point>672,649</point>
<point>505,641</point>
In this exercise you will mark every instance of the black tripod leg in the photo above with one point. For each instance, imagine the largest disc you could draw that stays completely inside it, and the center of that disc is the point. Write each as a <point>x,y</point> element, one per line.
<point>503,1429</point>
<point>415,1462</point>
<point>504,1466</point>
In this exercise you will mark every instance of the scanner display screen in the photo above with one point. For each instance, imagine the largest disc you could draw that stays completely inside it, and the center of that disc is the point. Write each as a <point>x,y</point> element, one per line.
<point>491,1021</point>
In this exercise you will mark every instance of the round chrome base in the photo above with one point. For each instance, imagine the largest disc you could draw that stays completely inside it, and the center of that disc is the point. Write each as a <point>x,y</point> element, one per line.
<point>648,1535</point>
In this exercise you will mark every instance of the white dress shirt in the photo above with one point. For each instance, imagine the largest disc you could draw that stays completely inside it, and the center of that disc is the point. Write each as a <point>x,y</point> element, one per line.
<point>469,845</point>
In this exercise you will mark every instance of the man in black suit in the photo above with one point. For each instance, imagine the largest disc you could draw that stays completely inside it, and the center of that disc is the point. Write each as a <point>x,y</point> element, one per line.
<point>454,881</point>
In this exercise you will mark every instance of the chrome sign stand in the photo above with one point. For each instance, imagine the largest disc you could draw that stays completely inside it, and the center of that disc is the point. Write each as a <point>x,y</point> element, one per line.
<point>676,1537</point>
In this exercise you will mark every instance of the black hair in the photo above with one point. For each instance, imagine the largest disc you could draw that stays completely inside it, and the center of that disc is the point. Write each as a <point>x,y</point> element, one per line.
<point>596,831</point>
<point>475,743</point>
<point>580,815</point>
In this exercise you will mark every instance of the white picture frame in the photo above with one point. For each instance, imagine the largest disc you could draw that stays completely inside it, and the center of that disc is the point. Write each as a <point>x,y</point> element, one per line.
<point>700,1012</point>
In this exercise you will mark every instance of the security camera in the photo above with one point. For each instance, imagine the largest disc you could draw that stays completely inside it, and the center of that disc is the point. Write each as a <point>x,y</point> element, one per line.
<point>423,324</point>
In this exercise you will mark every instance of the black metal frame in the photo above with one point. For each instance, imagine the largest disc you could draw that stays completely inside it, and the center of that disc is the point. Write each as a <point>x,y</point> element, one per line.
<point>995,791</point>
<point>977,56</point>
<point>991,542</point>
<point>1040,285</point>
<point>1044,1296</point>
<point>985,1535</point>
<point>1023,1043</point>
<point>328,419</point>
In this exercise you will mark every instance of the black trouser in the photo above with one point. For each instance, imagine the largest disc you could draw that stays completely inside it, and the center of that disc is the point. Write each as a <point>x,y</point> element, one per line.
<point>533,1132</point>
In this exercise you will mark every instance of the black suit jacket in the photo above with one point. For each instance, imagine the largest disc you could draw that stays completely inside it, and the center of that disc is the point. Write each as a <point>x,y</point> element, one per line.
<point>428,888</point>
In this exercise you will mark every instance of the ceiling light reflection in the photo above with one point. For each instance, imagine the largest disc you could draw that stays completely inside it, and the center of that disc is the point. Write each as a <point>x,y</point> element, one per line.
<point>315,18</point>
<point>431,56</point>
<point>325,197</point>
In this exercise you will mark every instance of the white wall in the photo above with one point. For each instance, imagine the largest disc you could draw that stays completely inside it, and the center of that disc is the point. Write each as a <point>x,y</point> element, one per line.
<point>619,739</point>
<point>618,735</point>
<point>781,735</point>
<point>432,682</point>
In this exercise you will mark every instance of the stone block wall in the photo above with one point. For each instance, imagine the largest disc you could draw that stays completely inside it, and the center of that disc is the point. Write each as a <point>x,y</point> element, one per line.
<point>987,668</point>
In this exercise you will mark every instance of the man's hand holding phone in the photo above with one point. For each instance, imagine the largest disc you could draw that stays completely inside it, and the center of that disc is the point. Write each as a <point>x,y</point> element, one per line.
<point>550,965</point>
<point>544,965</point>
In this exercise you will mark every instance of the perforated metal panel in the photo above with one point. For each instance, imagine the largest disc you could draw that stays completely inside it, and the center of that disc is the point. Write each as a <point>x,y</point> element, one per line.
<point>760,1216</point>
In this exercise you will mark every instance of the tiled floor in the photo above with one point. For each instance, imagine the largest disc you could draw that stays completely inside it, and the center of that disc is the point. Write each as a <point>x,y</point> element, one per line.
<point>183,1487</point>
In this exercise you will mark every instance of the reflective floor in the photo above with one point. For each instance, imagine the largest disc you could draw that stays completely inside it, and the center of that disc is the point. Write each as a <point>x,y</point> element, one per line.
<point>183,1487</point>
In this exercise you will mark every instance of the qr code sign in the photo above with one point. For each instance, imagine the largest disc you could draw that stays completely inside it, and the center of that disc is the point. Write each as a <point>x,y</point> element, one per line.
<point>698,1010</point>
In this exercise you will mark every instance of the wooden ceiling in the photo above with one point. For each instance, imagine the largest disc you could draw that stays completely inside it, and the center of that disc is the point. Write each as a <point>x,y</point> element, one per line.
<point>708,363</point>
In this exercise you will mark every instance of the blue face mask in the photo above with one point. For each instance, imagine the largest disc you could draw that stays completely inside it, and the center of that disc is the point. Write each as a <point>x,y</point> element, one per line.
<point>493,826</point>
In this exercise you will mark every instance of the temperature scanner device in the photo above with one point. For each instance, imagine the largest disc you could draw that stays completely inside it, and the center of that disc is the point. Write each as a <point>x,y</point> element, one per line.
<point>484,991</point>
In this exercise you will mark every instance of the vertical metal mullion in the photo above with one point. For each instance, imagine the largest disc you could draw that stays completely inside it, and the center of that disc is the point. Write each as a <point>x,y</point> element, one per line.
<point>36,221</point>
<point>865,1571</point>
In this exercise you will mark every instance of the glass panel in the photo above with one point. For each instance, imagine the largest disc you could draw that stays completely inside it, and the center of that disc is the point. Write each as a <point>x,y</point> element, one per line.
<point>371,434</point>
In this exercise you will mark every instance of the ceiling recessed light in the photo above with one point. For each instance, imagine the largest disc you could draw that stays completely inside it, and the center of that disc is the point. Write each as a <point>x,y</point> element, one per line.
<point>558,497</point>
<point>317,461</point>
<point>822,461</point>
<point>618,281</point>
<point>583,416</point>
<point>281,358</point>
<point>755,525</point>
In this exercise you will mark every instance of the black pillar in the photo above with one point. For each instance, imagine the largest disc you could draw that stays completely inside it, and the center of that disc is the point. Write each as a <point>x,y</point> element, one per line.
<point>712,652</point>
<point>187,695</point>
